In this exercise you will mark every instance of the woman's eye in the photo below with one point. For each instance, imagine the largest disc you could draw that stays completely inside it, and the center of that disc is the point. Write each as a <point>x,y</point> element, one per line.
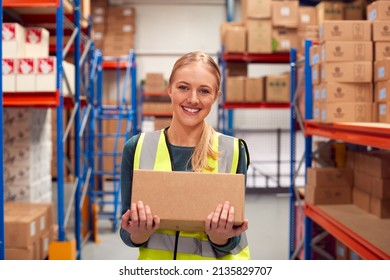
<point>183,88</point>
<point>204,91</point>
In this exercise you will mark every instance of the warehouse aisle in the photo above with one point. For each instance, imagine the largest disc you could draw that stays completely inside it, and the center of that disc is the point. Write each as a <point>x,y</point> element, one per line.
<point>268,232</point>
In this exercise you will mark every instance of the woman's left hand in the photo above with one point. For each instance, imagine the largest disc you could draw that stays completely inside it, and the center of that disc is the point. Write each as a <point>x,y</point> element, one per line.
<point>219,224</point>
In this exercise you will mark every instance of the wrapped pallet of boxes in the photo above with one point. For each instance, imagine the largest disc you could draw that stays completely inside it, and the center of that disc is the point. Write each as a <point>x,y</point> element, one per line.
<point>329,185</point>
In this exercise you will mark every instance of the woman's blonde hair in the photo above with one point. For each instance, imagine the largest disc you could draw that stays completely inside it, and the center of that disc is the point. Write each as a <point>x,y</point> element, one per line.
<point>204,149</point>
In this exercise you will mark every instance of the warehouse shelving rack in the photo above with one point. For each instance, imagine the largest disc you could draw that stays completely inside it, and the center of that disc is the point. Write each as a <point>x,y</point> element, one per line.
<point>122,112</point>
<point>226,109</point>
<point>338,220</point>
<point>56,100</point>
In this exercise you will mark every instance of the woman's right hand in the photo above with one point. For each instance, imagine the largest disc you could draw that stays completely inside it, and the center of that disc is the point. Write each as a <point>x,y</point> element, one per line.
<point>139,222</point>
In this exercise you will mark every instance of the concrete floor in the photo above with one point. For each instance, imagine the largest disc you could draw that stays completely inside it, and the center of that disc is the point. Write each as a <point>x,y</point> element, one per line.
<point>268,233</point>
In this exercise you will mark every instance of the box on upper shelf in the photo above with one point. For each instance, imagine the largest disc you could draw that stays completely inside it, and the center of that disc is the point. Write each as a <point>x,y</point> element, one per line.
<point>13,35</point>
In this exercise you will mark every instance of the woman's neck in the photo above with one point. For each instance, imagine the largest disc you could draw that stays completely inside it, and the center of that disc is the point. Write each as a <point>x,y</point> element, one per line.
<point>185,136</point>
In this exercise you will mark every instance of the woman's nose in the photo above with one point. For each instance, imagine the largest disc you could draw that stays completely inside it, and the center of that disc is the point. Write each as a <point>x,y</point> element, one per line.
<point>193,98</point>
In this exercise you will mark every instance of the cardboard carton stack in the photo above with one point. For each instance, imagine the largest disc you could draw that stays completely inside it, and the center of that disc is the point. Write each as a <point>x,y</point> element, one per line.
<point>342,72</point>
<point>27,66</point>
<point>156,107</point>
<point>377,13</point>
<point>285,22</point>
<point>119,31</point>
<point>99,21</point>
<point>28,230</point>
<point>329,185</point>
<point>27,155</point>
<point>307,27</point>
<point>371,190</point>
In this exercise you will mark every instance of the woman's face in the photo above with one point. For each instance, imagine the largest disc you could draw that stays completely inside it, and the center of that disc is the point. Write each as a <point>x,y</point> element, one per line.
<point>192,92</point>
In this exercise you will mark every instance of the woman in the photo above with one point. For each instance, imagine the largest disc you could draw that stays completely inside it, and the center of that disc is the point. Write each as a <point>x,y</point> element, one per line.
<point>188,144</point>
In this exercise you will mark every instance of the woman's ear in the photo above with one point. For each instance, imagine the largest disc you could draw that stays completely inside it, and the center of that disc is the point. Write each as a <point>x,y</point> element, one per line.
<point>169,91</point>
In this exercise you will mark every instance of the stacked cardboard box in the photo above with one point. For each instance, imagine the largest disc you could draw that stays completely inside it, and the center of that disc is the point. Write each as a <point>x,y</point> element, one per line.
<point>329,185</point>
<point>157,105</point>
<point>307,27</point>
<point>277,88</point>
<point>342,72</point>
<point>27,66</point>
<point>99,21</point>
<point>371,190</point>
<point>119,31</point>
<point>28,230</point>
<point>377,13</point>
<point>27,155</point>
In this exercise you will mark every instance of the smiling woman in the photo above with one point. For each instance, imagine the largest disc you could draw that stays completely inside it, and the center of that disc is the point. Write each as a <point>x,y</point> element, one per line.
<point>188,144</point>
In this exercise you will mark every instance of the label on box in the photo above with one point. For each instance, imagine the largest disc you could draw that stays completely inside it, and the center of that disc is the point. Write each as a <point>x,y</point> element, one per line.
<point>127,28</point>
<point>285,11</point>
<point>8,31</point>
<point>323,115</point>
<point>372,15</point>
<point>323,93</point>
<point>382,93</point>
<point>8,66</point>
<point>316,113</point>
<point>98,11</point>
<point>26,66</point>
<point>316,94</point>
<point>42,223</point>
<point>305,18</point>
<point>98,19</point>
<point>45,244</point>
<point>381,72</point>
<point>33,35</point>
<point>127,12</point>
<point>315,59</point>
<point>45,65</point>
<point>382,109</point>
<point>33,229</point>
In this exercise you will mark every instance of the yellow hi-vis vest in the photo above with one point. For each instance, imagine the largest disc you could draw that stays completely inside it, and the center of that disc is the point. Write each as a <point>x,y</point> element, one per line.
<point>152,153</point>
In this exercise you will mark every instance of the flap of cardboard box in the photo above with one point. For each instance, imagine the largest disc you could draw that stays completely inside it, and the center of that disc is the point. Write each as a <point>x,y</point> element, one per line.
<point>183,200</point>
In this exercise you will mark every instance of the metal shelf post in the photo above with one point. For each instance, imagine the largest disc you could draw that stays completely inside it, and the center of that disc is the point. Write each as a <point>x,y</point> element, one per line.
<point>308,141</point>
<point>293,61</point>
<point>2,245</point>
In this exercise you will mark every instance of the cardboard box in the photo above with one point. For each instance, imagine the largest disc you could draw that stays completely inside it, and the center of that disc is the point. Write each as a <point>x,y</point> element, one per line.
<point>381,50</point>
<point>283,39</point>
<point>183,200</point>
<point>378,10</point>
<point>333,195</point>
<point>380,188</point>
<point>307,16</point>
<point>13,35</point>
<point>317,93</point>
<point>257,9</point>
<point>25,253</point>
<point>381,31</point>
<point>254,89</point>
<point>234,69</point>
<point>235,39</point>
<point>361,199</point>
<point>380,207</point>
<point>346,92</point>
<point>37,42</point>
<point>383,112</point>
<point>328,177</point>
<point>341,30</point>
<point>285,14</point>
<point>277,88</point>
<point>25,75</point>
<point>355,10</point>
<point>377,164</point>
<point>351,72</point>
<point>9,75</point>
<point>382,70</point>
<point>235,89</point>
<point>334,51</point>
<point>327,10</point>
<point>346,112</point>
<point>259,36</point>
<point>363,181</point>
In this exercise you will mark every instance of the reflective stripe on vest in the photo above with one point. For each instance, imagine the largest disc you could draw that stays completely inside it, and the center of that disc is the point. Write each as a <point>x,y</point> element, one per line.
<point>152,154</point>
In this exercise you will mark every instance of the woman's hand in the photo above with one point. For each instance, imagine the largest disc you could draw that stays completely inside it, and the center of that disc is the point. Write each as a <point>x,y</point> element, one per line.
<point>140,223</point>
<point>219,224</point>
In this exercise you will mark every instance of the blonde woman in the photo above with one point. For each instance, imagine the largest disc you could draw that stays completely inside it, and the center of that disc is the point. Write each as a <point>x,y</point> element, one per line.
<point>194,86</point>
